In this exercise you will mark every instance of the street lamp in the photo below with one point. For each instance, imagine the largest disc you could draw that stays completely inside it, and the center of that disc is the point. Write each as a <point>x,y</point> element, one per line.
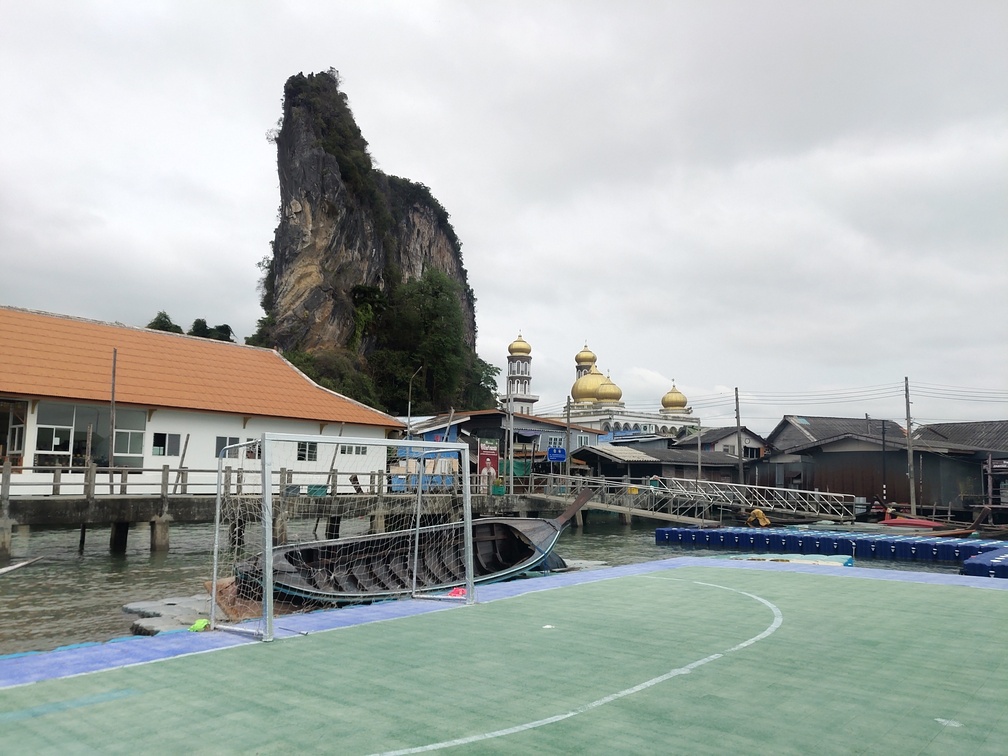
<point>409,405</point>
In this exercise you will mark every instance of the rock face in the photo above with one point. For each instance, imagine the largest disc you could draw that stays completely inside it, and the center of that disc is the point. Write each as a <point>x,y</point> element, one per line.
<point>344,224</point>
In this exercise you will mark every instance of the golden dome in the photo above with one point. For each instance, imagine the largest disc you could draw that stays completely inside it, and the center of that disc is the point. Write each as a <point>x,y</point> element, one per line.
<point>674,399</point>
<point>585,357</point>
<point>519,347</point>
<point>585,388</point>
<point>609,391</point>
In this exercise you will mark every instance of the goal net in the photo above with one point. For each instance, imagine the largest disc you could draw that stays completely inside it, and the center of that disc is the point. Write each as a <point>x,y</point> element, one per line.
<point>304,522</point>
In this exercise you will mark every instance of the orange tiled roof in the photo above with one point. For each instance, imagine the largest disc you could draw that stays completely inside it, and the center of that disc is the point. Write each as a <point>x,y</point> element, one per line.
<point>44,355</point>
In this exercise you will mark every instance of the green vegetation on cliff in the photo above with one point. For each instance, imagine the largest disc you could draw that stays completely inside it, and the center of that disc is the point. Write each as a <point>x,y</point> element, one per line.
<point>397,332</point>
<point>319,97</point>
<point>163,322</point>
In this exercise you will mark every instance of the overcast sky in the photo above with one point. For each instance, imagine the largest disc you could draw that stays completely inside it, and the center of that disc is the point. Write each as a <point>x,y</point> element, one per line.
<point>804,200</point>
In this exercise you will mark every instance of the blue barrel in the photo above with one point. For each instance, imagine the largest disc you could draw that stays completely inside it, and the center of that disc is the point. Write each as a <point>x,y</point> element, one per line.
<point>847,544</point>
<point>775,542</point>
<point>987,564</point>
<point>927,549</point>
<point>809,543</point>
<point>792,543</point>
<point>885,546</point>
<point>827,543</point>
<point>865,547</point>
<point>948,549</point>
<point>747,540</point>
<point>910,548</point>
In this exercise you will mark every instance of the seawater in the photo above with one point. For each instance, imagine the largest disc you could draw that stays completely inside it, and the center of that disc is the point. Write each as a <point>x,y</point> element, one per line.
<point>69,597</point>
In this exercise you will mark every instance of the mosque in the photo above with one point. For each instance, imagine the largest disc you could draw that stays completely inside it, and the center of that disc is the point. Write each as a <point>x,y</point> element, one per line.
<point>595,400</point>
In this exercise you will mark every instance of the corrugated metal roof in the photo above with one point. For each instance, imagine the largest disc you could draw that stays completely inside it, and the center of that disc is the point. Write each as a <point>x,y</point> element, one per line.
<point>621,453</point>
<point>681,455</point>
<point>59,357</point>
<point>986,435</point>
<point>521,422</point>
<point>804,431</point>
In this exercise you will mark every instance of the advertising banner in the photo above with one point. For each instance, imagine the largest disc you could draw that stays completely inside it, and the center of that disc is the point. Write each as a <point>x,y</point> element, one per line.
<point>489,462</point>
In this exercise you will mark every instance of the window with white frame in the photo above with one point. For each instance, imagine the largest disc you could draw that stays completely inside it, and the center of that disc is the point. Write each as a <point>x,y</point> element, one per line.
<point>127,450</point>
<point>252,450</point>
<point>223,441</point>
<point>307,451</point>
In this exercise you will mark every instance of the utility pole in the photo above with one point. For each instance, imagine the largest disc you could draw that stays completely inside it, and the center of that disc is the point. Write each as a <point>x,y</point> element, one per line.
<point>884,496</point>
<point>738,439</point>
<point>510,441</point>
<point>699,433</point>
<point>910,464</point>
<point>567,448</point>
<point>112,418</point>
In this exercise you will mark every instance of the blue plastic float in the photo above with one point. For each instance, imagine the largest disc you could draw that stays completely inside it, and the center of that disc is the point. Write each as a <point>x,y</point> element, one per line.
<point>862,546</point>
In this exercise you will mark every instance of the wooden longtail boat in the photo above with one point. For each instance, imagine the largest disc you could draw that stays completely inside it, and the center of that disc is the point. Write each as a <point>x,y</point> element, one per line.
<point>374,567</point>
<point>934,527</point>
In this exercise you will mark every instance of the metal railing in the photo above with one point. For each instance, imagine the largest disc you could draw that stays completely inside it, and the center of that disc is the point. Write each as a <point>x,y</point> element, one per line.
<point>671,496</point>
<point>689,498</point>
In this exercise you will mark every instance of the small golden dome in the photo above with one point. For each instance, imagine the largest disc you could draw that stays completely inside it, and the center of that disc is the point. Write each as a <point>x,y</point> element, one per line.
<point>585,388</point>
<point>585,357</point>
<point>519,347</point>
<point>674,399</point>
<point>609,391</point>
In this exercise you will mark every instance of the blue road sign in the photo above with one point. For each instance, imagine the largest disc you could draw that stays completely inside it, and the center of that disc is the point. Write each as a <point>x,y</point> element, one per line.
<point>556,454</point>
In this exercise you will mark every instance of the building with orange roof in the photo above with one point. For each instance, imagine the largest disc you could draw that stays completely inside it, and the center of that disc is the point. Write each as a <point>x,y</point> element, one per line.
<point>175,399</point>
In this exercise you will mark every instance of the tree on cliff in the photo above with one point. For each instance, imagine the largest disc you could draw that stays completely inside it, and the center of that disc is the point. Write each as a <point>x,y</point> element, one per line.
<point>340,292</point>
<point>163,322</point>
<point>421,327</point>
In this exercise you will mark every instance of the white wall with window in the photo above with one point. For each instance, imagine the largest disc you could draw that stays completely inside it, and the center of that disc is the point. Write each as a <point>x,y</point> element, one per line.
<point>41,436</point>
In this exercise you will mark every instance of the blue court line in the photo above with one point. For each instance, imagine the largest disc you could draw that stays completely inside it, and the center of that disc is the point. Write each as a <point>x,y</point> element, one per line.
<point>23,669</point>
<point>57,706</point>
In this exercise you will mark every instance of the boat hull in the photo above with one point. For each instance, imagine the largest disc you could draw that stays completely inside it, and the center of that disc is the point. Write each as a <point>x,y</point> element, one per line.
<point>376,567</point>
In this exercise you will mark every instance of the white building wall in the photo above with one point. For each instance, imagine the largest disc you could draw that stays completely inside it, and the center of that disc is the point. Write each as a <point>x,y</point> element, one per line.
<point>202,430</point>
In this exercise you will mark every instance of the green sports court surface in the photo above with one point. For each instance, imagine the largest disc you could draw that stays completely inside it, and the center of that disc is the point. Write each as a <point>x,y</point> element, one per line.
<point>686,655</point>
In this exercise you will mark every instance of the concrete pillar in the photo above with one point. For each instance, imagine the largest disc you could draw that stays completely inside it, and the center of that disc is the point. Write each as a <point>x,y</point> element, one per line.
<point>377,523</point>
<point>332,527</point>
<point>117,540</point>
<point>159,533</point>
<point>579,519</point>
<point>280,528</point>
<point>6,527</point>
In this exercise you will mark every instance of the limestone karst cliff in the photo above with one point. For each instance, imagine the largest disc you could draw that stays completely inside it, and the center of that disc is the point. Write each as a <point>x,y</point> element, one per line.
<point>345,227</point>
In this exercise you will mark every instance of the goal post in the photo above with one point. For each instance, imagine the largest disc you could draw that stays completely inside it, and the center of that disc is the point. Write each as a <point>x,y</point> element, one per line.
<point>307,521</point>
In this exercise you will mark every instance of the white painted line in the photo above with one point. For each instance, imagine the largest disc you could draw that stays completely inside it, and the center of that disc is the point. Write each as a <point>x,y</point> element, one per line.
<point>778,619</point>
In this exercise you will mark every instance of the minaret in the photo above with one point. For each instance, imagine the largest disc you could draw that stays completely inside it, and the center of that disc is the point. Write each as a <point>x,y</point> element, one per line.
<point>519,377</point>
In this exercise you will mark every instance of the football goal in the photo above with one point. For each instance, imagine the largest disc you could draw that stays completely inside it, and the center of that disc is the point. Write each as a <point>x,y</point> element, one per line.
<point>304,522</point>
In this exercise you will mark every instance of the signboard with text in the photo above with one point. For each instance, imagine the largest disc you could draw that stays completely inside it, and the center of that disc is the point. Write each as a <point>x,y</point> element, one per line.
<point>489,458</point>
